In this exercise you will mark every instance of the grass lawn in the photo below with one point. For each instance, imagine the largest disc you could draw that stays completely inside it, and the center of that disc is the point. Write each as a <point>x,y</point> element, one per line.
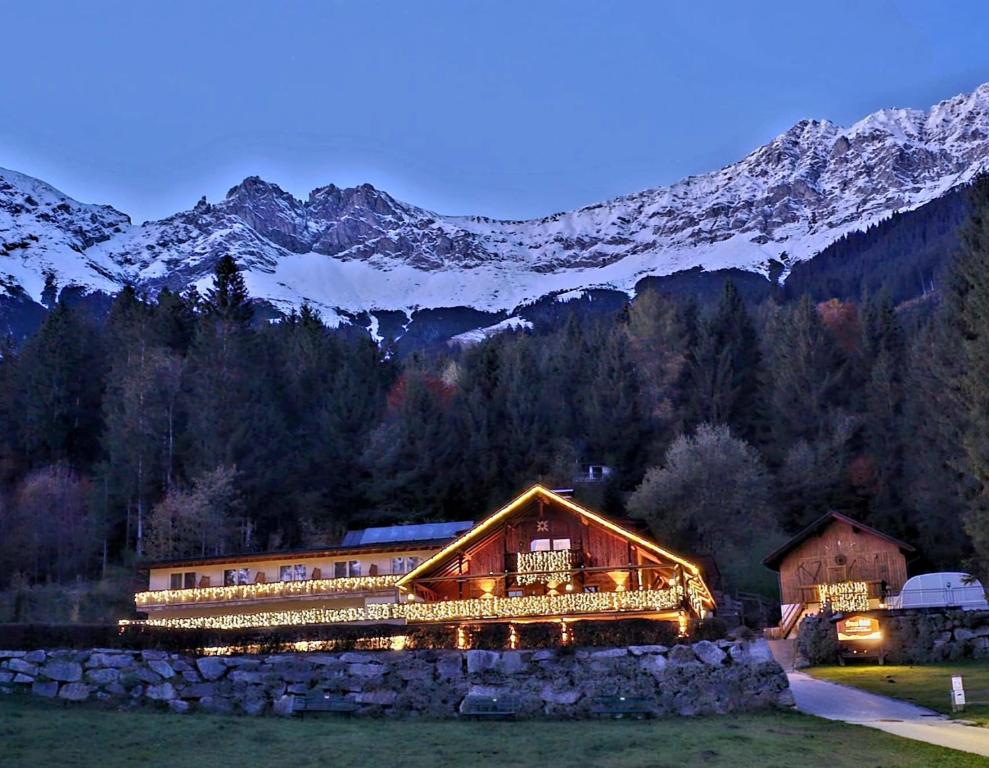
<point>36,733</point>
<point>927,686</point>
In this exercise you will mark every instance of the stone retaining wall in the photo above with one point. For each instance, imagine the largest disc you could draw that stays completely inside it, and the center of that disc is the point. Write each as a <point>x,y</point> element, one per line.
<point>704,678</point>
<point>909,636</point>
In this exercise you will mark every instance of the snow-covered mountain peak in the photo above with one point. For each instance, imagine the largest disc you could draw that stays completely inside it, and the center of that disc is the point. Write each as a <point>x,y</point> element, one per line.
<point>357,249</point>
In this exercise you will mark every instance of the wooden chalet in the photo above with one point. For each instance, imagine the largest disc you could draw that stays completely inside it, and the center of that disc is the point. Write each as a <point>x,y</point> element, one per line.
<point>543,555</point>
<point>839,562</point>
<point>540,557</point>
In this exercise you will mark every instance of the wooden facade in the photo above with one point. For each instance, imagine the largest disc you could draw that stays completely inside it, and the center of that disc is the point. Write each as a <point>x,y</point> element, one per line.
<point>837,550</point>
<point>573,551</point>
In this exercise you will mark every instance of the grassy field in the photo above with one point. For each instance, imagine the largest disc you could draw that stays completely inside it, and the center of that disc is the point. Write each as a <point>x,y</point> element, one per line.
<point>927,686</point>
<point>41,733</point>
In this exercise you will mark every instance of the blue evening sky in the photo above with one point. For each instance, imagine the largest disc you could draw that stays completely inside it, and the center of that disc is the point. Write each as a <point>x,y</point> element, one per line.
<point>509,109</point>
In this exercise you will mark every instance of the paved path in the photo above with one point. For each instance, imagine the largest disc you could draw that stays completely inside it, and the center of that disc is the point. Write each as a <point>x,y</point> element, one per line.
<point>839,702</point>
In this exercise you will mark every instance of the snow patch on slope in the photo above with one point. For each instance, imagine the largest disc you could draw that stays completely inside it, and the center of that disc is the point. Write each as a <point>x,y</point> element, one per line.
<point>480,334</point>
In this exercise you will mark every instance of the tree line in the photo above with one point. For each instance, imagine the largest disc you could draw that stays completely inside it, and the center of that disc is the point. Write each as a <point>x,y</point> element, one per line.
<point>182,425</point>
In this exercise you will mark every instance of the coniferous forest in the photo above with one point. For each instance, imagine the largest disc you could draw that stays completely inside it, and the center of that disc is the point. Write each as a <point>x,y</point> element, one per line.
<point>184,425</point>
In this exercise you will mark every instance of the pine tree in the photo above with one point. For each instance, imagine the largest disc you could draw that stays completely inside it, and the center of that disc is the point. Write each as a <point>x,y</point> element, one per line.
<point>935,467</point>
<point>227,300</point>
<point>807,372</point>
<point>725,368</point>
<point>58,394</point>
<point>883,350</point>
<point>967,307</point>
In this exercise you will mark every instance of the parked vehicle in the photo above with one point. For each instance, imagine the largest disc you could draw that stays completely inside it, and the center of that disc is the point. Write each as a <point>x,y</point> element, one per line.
<point>943,590</point>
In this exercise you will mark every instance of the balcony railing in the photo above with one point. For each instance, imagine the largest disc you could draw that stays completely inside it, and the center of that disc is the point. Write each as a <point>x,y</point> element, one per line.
<point>549,606</point>
<point>265,591</point>
<point>846,594</point>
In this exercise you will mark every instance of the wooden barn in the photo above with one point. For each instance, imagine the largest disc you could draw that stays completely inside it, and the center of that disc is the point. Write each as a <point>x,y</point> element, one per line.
<point>544,555</point>
<point>840,562</point>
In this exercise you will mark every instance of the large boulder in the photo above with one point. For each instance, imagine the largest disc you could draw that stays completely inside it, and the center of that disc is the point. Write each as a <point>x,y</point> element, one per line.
<point>744,652</point>
<point>118,660</point>
<point>367,670</point>
<point>680,655</point>
<point>48,690</point>
<point>481,661</point>
<point>450,665</point>
<point>162,667</point>
<point>654,665</point>
<point>163,692</point>
<point>63,671</point>
<point>709,653</point>
<point>642,650</point>
<point>74,692</point>
<point>211,667</point>
<point>104,676</point>
<point>511,663</point>
<point>22,666</point>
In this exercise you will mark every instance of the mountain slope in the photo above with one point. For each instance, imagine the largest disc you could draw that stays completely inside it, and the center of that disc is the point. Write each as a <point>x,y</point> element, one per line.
<point>354,252</point>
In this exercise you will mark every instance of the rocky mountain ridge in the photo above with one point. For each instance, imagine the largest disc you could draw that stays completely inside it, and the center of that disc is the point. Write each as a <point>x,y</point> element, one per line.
<point>357,252</point>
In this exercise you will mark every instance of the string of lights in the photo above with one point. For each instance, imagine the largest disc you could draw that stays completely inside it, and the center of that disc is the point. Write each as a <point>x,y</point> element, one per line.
<point>265,590</point>
<point>477,608</point>
<point>544,567</point>
<point>845,596</point>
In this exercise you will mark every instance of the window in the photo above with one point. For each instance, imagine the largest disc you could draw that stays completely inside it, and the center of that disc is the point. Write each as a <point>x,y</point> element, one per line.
<point>516,593</point>
<point>539,545</point>
<point>185,580</point>
<point>561,543</point>
<point>590,588</point>
<point>292,572</point>
<point>404,564</point>
<point>347,568</point>
<point>234,576</point>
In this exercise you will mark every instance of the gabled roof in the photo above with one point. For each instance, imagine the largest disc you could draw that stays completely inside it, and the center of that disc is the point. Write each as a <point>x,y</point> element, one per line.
<point>774,559</point>
<point>505,512</point>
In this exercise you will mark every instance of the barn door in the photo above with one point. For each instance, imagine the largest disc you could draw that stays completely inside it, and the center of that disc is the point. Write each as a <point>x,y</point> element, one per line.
<point>809,573</point>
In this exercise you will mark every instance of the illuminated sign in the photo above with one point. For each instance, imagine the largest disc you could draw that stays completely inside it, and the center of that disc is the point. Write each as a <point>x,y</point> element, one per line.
<point>860,629</point>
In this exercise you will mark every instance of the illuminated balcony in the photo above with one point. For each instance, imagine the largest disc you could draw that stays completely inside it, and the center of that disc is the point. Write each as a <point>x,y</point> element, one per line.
<point>278,590</point>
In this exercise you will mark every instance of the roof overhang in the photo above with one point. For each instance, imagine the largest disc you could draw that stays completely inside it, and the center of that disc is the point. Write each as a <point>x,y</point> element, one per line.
<point>538,491</point>
<point>775,558</point>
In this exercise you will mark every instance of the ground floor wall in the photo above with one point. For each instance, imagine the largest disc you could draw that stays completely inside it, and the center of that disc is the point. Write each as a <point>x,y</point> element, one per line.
<point>703,678</point>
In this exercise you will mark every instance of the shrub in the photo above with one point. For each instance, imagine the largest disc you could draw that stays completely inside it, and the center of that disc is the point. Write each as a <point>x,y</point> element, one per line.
<point>341,637</point>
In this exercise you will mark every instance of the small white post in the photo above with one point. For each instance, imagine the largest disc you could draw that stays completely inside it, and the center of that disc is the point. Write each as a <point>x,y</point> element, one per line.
<point>957,694</point>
